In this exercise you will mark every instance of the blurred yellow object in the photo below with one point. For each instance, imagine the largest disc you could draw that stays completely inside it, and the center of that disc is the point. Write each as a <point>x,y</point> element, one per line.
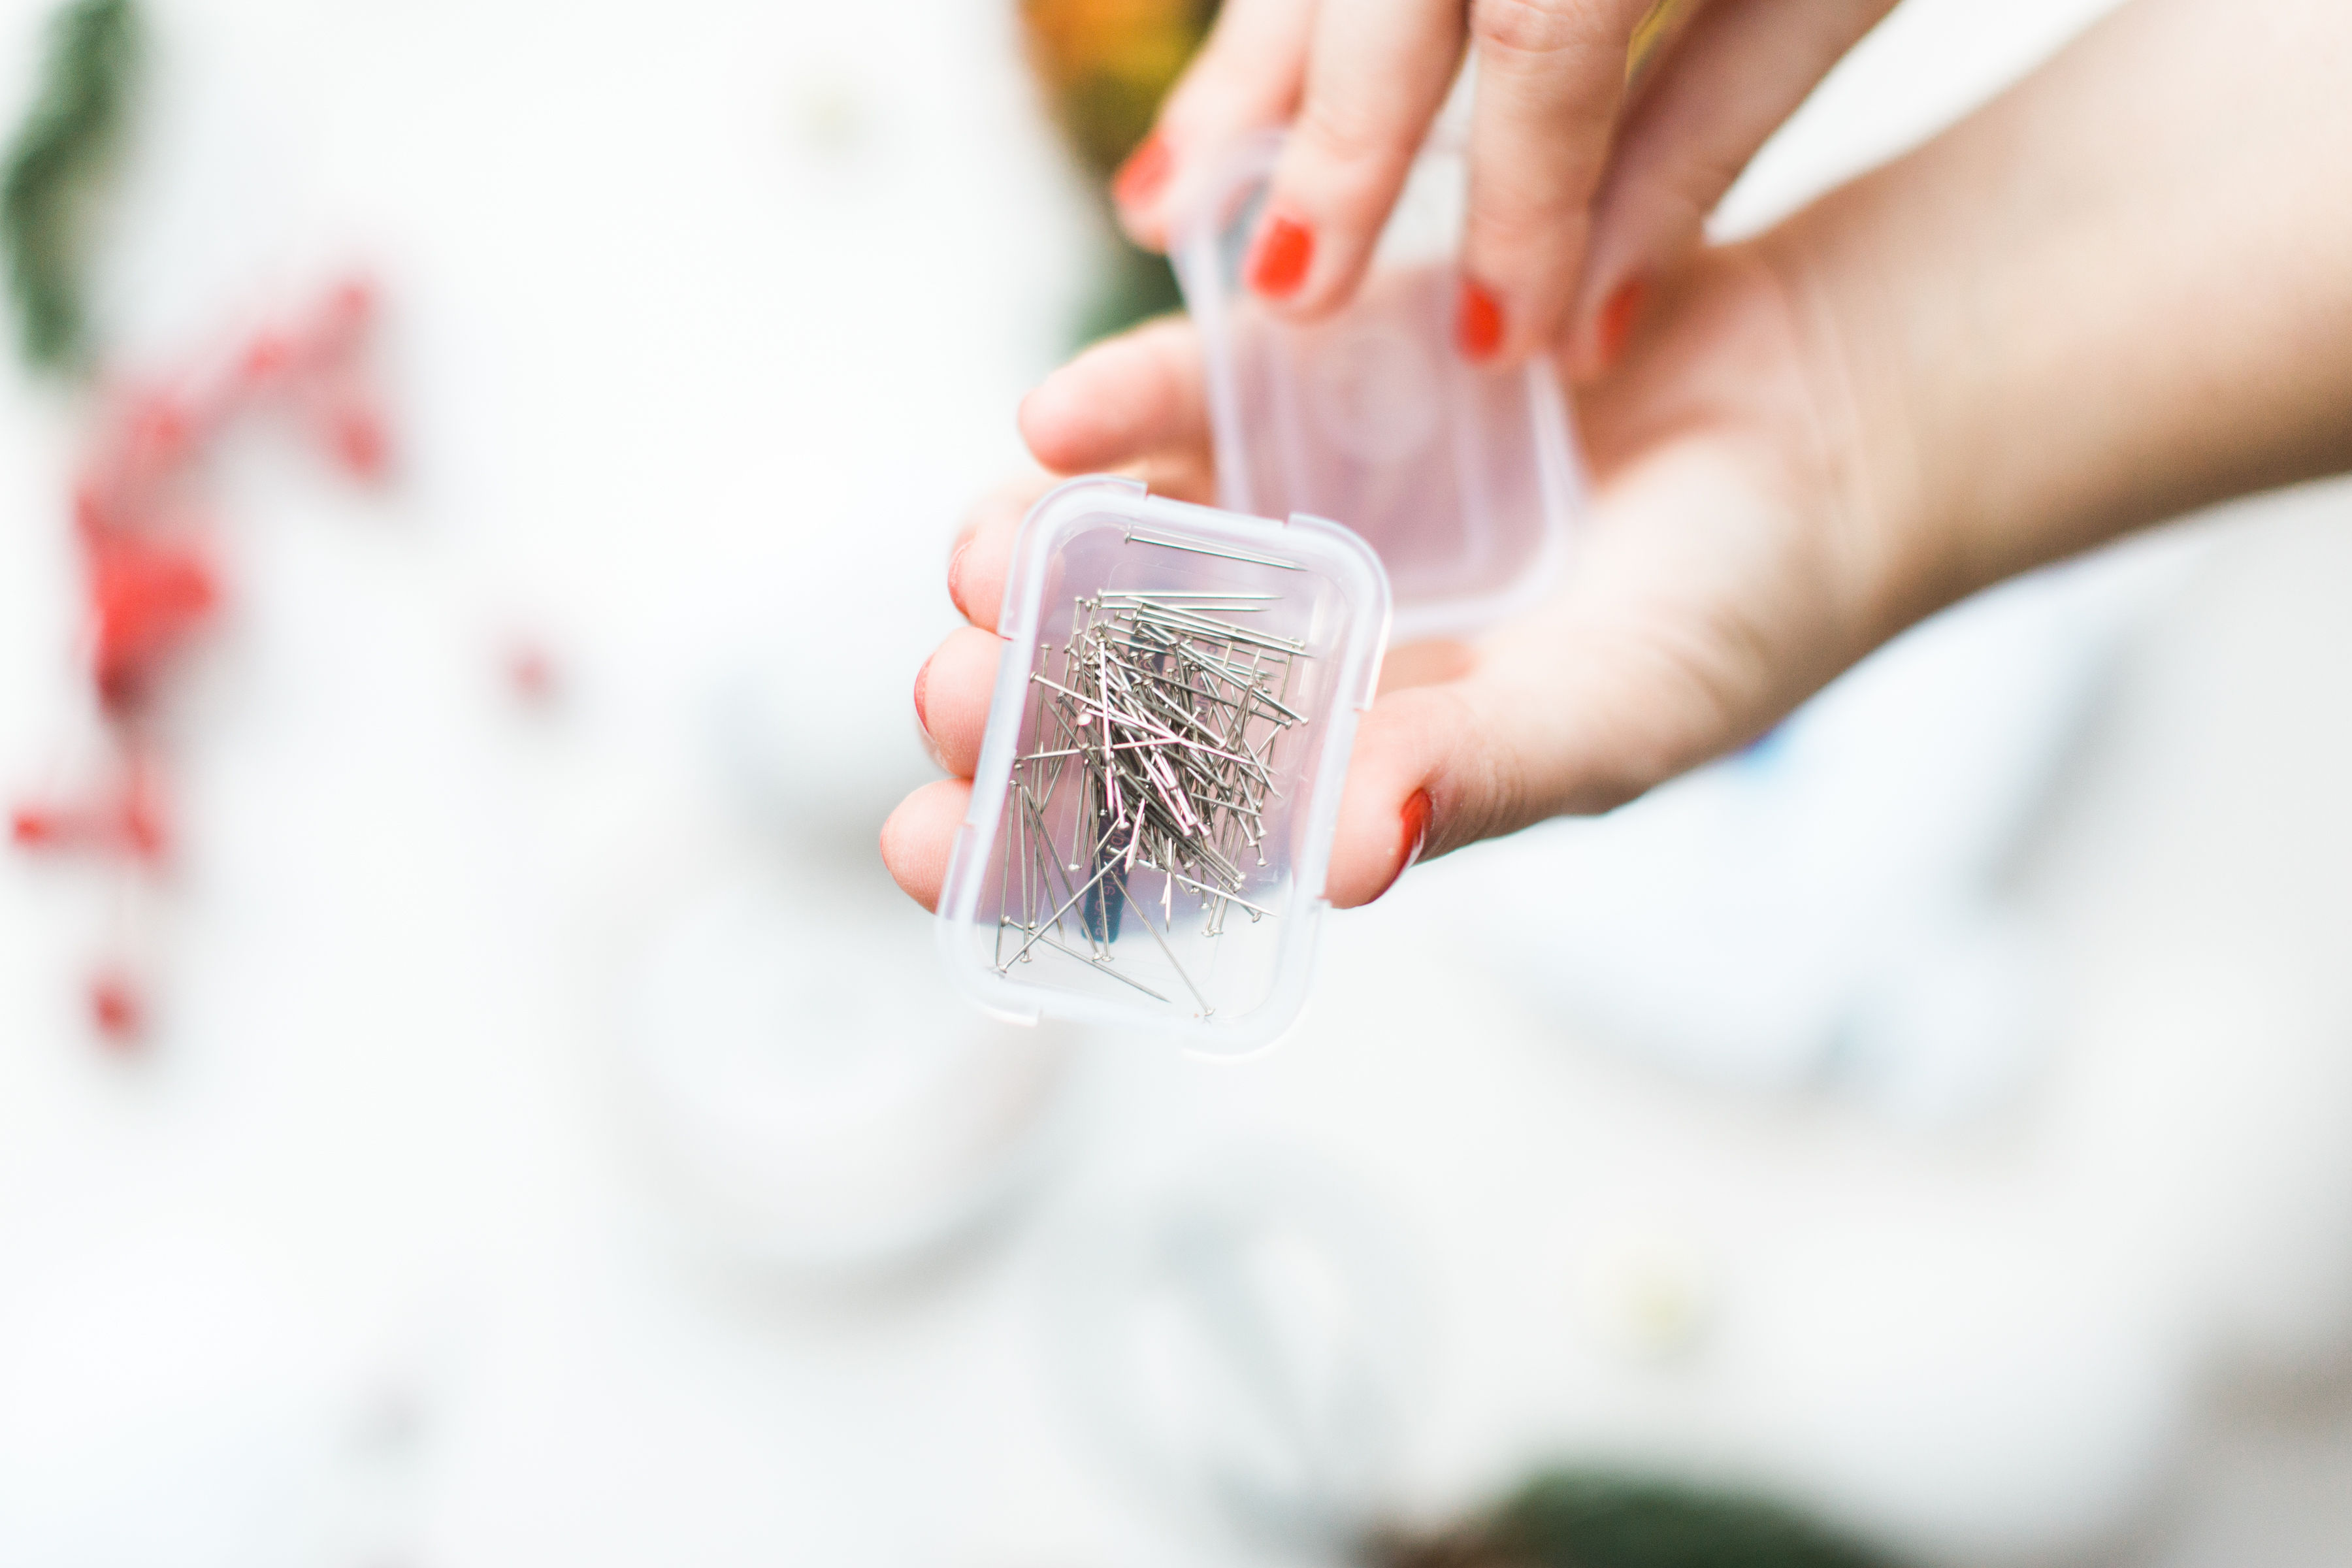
<point>1106,64</point>
<point>1658,27</point>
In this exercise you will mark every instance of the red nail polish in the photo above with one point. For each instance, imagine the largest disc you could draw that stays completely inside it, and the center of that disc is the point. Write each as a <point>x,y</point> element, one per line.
<point>1477,322</point>
<point>1416,828</point>
<point>1144,173</point>
<point>1414,819</point>
<point>1278,264</point>
<point>1615,327</point>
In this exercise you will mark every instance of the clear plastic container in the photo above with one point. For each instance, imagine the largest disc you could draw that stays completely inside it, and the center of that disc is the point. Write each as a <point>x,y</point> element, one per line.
<point>1464,479</point>
<point>1152,814</point>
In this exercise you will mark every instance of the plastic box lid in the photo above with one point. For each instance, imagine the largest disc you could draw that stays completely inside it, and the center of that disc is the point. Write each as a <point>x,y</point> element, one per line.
<point>1152,814</point>
<point>1464,480</point>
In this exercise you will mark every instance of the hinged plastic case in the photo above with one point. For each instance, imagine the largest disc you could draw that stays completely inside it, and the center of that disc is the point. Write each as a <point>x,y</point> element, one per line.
<point>1152,813</point>
<point>1464,480</point>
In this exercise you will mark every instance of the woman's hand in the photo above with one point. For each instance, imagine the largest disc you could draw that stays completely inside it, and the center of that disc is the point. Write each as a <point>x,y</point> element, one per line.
<point>1583,186</point>
<point>1729,569</point>
<point>2119,292</point>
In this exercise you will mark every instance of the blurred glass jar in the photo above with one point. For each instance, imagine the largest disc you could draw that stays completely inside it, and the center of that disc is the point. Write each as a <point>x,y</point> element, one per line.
<point>811,1096</point>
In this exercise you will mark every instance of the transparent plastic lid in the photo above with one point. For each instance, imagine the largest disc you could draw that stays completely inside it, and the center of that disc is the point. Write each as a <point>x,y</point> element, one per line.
<point>1152,814</point>
<point>1464,480</point>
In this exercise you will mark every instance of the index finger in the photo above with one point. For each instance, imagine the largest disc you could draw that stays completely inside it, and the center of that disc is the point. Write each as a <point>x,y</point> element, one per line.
<point>1376,76</point>
<point>1130,399</point>
<point>1134,403</point>
<point>1246,76</point>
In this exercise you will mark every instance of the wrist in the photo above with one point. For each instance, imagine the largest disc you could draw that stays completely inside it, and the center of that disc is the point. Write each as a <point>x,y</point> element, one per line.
<point>2117,293</point>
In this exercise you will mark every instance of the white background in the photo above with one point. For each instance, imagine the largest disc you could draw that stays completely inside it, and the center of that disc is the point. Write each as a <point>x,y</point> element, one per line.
<point>702,323</point>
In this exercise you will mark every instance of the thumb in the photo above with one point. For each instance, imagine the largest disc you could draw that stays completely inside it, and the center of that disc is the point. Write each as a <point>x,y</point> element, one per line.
<point>1420,780</point>
<point>1574,713</point>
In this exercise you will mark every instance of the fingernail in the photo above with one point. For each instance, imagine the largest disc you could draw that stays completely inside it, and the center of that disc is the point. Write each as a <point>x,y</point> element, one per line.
<point>1416,822</point>
<point>1615,327</point>
<point>1279,263</point>
<point>1144,173</point>
<point>1416,828</point>
<point>1477,322</point>
<point>955,596</point>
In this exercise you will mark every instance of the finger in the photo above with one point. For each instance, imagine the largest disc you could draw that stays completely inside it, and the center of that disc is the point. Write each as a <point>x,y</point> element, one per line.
<point>1377,73</point>
<point>1734,78</point>
<point>918,836</point>
<point>1551,79</point>
<point>1186,476</point>
<point>1409,751</point>
<point>951,693</point>
<point>1581,715</point>
<point>981,556</point>
<point>1246,76</point>
<point>982,552</point>
<point>1131,399</point>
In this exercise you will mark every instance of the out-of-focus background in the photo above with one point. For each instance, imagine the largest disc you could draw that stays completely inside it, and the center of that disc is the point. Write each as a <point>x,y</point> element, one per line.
<point>506,1114</point>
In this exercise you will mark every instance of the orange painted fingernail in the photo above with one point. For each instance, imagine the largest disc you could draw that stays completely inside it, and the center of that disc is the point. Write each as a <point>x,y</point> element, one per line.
<point>1277,265</point>
<point>1414,820</point>
<point>1614,328</point>
<point>923,691</point>
<point>1416,828</point>
<point>1477,322</point>
<point>1144,173</point>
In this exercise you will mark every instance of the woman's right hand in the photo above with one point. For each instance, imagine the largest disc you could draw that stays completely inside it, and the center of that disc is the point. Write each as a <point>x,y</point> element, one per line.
<point>1583,188</point>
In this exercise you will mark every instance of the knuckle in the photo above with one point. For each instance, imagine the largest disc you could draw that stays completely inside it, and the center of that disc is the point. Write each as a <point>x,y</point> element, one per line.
<point>1529,251</point>
<point>1521,231</point>
<point>1354,147</point>
<point>1537,29</point>
<point>1500,803</point>
<point>1483,787</point>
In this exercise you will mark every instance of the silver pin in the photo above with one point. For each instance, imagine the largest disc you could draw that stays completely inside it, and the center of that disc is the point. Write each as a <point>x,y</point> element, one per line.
<point>1151,747</point>
<point>1135,538</point>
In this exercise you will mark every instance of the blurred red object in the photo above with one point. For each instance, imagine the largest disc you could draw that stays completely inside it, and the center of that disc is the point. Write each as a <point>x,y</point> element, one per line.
<point>115,1009</point>
<point>151,582</point>
<point>147,595</point>
<point>531,673</point>
<point>34,828</point>
<point>360,444</point>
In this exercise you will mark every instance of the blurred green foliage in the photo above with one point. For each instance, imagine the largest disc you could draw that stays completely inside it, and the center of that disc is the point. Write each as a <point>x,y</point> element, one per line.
<point>62,151</point>
<point>1577,1519</point>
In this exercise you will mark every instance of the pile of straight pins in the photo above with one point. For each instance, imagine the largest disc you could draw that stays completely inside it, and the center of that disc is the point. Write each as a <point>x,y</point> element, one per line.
<point>1162,719</point>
